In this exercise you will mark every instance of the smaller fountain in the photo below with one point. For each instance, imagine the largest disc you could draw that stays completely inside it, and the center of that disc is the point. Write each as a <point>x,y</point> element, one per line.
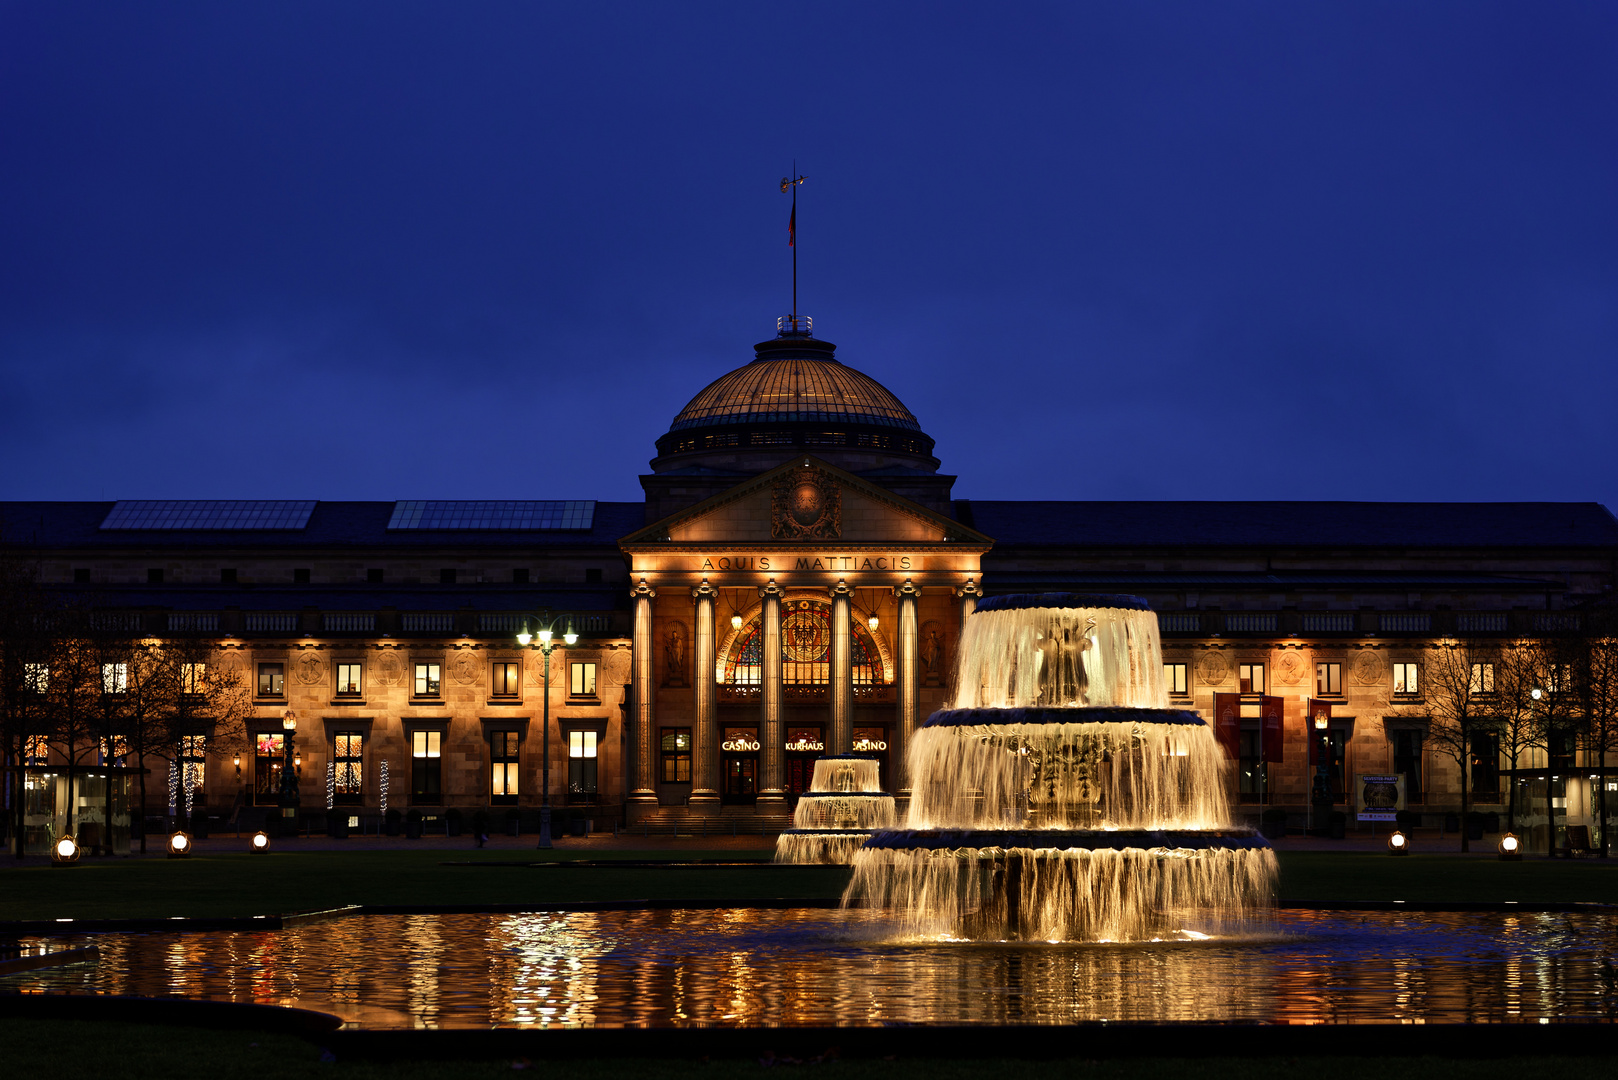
<point>844,806</point>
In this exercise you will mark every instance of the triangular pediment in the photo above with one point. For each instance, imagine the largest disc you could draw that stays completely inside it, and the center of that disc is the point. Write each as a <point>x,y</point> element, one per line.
<point>806,501</point>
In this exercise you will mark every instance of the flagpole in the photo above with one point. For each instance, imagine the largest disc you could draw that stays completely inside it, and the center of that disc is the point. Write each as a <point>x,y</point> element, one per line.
<point>795,254</point>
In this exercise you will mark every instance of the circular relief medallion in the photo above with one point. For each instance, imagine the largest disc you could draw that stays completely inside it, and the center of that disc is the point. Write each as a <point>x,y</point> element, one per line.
<point>1367,668</point>
<point>1289,669</point>
<point>464,667</point>
<point>311,668</point>
<point>389,669</point>
<point>803,636</point>
<point>1212,668</point>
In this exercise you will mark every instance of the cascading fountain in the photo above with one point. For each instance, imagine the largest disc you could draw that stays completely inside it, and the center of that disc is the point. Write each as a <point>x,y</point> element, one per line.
<point>1061,799</point>
<point>843,808</point>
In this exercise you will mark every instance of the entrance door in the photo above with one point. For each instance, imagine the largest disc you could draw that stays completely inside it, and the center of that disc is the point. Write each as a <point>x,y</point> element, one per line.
<point>804,745</point>
<point>738,762</point>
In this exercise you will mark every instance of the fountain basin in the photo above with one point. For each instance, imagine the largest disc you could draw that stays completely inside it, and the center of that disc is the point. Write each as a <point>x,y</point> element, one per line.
<point>1067,839</point>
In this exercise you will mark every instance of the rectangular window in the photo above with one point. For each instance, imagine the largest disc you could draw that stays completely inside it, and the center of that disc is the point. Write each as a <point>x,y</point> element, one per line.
<point>1559,678</point>
<point>115,678</point>
<point>676,755</point>
<point>426,766</point>
<point>1176,676</point>
<point>193,678</point>
<point>300,577</point>
<point>1250,767</point>
<point>1407,761</point>
<point>1329,680</point>
<point>503,766</point>
<point>348,678</point>
<point>154,576</point>
<point>1407,679</point>
<point>269,680</point>
<point>519,577</point>
<point>373,576</point>
<point>446,577</point>
<point>427,681</point>
<point>581,680</point>
<point>269,749</point>
<point>193,755</point>
<point>1251,678</point>
<point>227,576</point>
<point>1485,754</point>
<point>114,751</point>
<point>348,753</point>
<point>1482,679</point>
<point>504,682</point>
<point>36,750</point>
<point>36,677</point>
<point>581,764</point>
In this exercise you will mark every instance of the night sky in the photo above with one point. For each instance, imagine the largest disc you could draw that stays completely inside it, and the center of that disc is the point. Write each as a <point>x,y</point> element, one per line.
<point>1110,251</point>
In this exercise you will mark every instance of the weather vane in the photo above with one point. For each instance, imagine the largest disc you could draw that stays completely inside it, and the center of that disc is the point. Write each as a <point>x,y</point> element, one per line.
<point>789,184</point>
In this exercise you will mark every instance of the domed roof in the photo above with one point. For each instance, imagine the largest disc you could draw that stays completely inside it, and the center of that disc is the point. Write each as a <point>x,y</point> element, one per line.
<point>794,378</point>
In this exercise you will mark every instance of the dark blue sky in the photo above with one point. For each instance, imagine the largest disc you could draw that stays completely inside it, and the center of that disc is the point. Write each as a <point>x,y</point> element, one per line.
<point>380,251</point>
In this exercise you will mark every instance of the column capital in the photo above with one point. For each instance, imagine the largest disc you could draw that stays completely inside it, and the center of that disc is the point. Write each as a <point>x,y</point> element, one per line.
<point>969,589</point>
<point>842,588</point>
<point>704,591</point>
<point>771,589</point>
<point>908,589</point>
<point>642,590</point>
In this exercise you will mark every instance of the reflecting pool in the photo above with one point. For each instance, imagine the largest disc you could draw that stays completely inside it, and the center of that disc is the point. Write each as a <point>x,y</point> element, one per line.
<point>747,967</point>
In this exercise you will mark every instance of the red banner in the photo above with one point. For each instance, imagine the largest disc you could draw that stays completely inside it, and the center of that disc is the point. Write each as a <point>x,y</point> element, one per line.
<point>1317,708</point>
<point>1272,711</point>
<point>1228,723</point>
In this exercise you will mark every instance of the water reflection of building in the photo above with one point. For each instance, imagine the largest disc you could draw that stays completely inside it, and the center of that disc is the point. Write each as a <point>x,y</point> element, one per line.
<point>792,584</point>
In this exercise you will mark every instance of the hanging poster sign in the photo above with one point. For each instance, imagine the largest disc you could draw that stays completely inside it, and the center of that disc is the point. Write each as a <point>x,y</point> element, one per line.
<point>1379,798</point>
<point>1272,711</point>
<point>1228,723</point>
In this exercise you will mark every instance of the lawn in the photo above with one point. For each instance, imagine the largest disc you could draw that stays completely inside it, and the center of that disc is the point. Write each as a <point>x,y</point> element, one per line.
<point>291,881</point>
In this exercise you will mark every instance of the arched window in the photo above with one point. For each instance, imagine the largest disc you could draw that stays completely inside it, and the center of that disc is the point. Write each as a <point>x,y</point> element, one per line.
<point>805,649</point>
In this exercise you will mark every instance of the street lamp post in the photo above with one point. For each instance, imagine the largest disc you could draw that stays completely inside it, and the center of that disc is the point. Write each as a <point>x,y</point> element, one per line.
<point>289,774</point>
<point>545,633</point>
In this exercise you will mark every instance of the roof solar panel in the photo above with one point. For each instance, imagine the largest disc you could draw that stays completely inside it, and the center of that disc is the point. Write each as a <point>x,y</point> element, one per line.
<point>209,514</point>
<point>493,514</point>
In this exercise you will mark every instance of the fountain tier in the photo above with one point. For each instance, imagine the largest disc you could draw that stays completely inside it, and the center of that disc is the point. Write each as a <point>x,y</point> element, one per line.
<point>843,809</point>
<point>1062,799</point>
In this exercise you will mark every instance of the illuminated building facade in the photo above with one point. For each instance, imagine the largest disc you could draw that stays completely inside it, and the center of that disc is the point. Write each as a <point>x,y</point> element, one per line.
<point>793,584</point>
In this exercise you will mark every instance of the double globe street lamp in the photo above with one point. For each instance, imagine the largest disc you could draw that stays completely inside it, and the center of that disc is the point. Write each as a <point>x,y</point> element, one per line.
<point>545,633</point>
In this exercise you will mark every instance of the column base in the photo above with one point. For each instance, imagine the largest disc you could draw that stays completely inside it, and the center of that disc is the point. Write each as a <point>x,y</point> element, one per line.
<point>772,803</point>
<point>639,805</point>
<point>706,802</point>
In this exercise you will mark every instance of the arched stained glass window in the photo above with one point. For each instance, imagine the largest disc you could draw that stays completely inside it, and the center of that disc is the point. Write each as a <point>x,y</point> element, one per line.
<point>805,649</point>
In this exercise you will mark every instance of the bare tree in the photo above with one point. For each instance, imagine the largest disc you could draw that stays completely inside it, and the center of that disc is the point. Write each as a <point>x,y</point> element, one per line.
<point>1513,678</point>
<point>1556,715</point>
<point>1458,705</point>
<point>27,656</point>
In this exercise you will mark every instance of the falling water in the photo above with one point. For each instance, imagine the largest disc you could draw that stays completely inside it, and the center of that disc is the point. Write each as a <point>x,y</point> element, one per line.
<point>844,806</point>
<point>1061,799</point>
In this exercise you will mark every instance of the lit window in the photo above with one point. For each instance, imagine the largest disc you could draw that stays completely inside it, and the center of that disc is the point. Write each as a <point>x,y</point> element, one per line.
<point>35,750</point>
<point>504,747</point>
<point>36,677</point>
<point>1251,677</point>
<point>505,682</point>
<point>348,748</point>
<point>581,762</point>
<point>115,678</point>
<point>1328,679</point>
<point>1482,678</point>
<point>270,680</point>
<point>193,678</point>
<point>1176,677</point>
<point>348,678</point>
<point>1406,679</point>
<point>427,681</point>
<point>676,755</point>
<point>582,680</point>
<point>193,750</point>
<point>426,763</point>
<point>268,758</point>
<point>114,750</point>
<point>1559,678</point>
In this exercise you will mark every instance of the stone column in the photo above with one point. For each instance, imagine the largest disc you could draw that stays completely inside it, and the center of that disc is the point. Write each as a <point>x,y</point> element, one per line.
<point>644,794</point>
<point>772,792</point>
<point>969,594</point>
<point>704,726</point>
<point>842,671</point>
<point>909,701</point>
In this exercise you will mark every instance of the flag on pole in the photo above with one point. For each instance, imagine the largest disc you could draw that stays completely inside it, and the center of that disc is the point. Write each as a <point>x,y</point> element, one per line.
<point>792,226</point>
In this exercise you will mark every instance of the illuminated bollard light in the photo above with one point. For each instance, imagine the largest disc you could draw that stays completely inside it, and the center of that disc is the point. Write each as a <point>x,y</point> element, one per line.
<point>1510,848</point>
<point>261,843</point>
<point>65,852</point>
<point>1398,843</point>
<point>180,846</point>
